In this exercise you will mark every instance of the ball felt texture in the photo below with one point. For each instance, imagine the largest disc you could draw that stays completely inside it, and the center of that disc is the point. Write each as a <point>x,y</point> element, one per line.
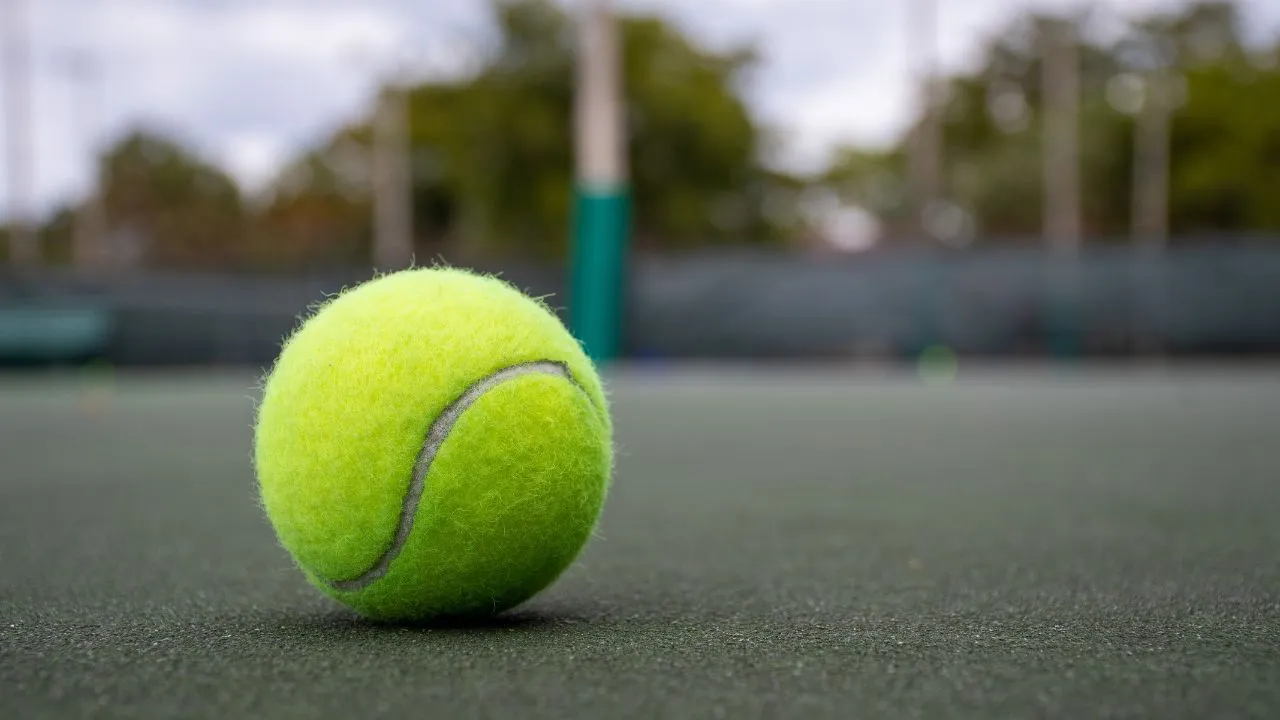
<point>433,443</point>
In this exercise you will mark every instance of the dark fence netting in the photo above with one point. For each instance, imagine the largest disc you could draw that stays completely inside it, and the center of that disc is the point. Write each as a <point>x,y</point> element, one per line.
<point>1109,301</point>
<point>183,319</point>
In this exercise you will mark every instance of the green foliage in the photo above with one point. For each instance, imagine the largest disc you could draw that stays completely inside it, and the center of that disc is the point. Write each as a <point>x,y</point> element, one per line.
<point>512,136</point>
<point>492,159</point>
<point>319,212</point>
<point>57,236</point>
<point>1226,167</point>
<point>874,179</point>
<point>493,156</point>
<point>169,207</point>
<point>693,148</point>
<point>1225,144</point>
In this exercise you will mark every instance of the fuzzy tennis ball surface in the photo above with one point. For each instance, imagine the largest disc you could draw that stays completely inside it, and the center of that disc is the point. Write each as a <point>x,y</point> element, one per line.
<point>433,443</point>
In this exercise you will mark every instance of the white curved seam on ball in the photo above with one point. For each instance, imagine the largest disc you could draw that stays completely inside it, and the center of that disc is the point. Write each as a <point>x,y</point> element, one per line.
<point>436,435</point>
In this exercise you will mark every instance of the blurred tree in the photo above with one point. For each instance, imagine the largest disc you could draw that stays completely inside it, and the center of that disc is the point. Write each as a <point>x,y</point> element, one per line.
<point>493,151</point>
<point>876,180</point>
<point>317,214</point>
<point>1226,151</point>
<point>694,147</point>
<point>1224,143</point>
<point>511,148</point>
<point>166,207</point>
<point>56,235</point>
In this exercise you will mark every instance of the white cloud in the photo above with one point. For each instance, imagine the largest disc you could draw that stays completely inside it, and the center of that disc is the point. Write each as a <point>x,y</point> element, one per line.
<point>299,33</point>
<point>254,159</point>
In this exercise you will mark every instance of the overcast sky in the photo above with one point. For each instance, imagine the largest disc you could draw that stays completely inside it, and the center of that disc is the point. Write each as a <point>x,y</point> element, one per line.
<point>248,82</point>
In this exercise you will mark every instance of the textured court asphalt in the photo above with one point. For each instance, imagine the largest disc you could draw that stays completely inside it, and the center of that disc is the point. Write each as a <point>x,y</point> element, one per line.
<point>799,544</point>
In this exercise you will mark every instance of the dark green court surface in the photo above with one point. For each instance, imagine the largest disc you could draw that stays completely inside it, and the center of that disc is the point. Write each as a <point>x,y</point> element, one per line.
<point>807,545</point>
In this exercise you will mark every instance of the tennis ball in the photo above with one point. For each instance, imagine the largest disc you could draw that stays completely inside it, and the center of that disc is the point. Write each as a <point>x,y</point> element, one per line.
<point>432,443</point>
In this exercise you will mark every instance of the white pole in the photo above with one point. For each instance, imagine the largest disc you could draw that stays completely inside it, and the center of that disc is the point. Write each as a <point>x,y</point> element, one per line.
<point>24,246</point>
<point>602,207</point>
<point>601,153</point>
<point>926,142</point>
<point>1062,223</point>
<point>393,193</point>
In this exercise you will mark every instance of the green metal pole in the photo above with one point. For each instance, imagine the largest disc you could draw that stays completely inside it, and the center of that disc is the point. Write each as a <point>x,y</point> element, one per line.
<point>602,207</point>
<point>599,269</point>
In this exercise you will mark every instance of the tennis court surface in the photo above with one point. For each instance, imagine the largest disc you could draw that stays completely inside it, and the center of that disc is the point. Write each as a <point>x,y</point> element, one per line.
<point>804,543</point>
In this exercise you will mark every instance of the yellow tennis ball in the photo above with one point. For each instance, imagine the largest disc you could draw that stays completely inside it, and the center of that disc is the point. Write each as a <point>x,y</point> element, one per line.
<point>433,443</point>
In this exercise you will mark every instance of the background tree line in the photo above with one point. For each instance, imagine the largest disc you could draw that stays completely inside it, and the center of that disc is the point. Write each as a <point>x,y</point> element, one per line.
<point>492,154</point>
<point>1223,97</point>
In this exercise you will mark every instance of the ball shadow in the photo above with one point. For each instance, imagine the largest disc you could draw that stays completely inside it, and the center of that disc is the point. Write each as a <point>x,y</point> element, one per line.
<point>344,621</point>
